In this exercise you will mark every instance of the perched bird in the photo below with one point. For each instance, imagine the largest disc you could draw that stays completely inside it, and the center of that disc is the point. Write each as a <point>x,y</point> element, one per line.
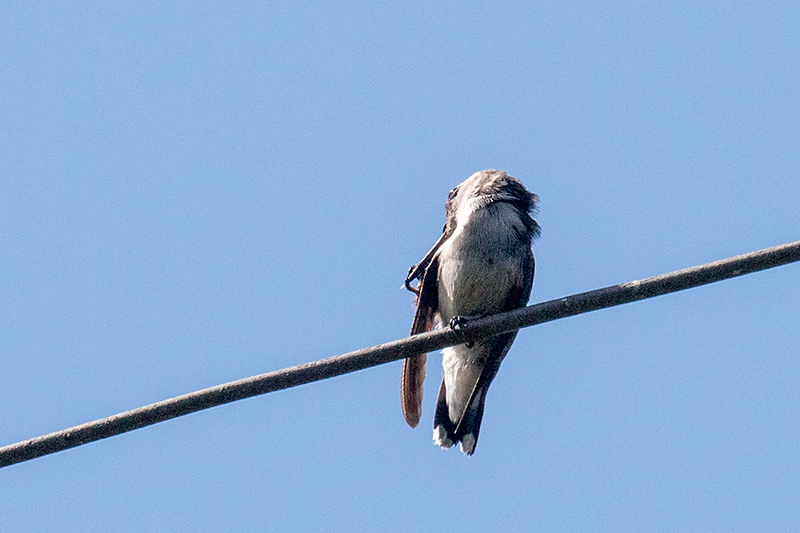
<point>481,265</point>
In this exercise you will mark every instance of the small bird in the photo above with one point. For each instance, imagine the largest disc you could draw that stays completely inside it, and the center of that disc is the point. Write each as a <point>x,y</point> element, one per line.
<point>481,265</point>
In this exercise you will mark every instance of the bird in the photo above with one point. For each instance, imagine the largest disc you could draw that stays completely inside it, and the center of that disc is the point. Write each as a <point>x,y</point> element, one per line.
<point>481,265</point>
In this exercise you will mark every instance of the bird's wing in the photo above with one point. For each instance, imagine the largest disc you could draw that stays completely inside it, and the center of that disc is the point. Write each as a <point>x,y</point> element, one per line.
<point>424,320</point>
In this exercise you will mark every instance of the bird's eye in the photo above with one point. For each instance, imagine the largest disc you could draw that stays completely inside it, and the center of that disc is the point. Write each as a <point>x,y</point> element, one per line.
<point>452,193</point>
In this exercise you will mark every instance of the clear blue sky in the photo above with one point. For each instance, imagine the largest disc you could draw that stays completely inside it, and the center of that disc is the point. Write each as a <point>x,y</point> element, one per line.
<point>195,193</point>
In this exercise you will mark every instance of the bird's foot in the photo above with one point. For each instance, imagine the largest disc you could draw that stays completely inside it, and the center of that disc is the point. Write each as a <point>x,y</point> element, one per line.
<point>411,277</point>
<point>457,323</point>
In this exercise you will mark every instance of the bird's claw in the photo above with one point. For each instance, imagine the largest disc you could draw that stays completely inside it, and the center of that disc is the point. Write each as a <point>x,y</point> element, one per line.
<point>409,279</point>
<point>457,323</point>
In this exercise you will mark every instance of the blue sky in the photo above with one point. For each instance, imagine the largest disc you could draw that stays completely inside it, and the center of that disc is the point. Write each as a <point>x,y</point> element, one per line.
<point>195,193</point>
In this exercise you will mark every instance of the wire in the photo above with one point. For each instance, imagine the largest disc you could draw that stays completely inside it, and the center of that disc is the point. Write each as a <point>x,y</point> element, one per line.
<point>399,349</point>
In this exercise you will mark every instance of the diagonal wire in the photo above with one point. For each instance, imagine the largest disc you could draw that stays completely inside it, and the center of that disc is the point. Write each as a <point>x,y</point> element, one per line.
<point>399,349</point>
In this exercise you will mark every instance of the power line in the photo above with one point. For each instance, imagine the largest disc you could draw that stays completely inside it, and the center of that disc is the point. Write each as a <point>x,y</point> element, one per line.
<point>399,349</point>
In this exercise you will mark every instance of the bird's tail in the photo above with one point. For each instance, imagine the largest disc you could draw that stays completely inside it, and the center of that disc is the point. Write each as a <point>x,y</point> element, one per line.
<point>446,432</point>
<point>459,411</point>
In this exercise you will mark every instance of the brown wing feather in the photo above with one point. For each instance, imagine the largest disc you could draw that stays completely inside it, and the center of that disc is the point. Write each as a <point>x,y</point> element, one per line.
<point>414,367</point>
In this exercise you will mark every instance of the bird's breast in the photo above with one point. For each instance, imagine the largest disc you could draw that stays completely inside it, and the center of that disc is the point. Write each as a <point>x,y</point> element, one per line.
<point>479,265</point>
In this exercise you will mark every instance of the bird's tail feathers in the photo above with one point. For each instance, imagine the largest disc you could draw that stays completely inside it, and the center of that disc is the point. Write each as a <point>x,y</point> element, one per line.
<point>446,432</point>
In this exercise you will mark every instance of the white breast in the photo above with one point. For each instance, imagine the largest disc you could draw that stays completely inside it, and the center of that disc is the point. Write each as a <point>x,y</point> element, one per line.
<point>481,262</point>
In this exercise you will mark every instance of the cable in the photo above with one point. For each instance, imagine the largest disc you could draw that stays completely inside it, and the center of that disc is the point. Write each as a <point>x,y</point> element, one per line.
<point>399,349</point>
